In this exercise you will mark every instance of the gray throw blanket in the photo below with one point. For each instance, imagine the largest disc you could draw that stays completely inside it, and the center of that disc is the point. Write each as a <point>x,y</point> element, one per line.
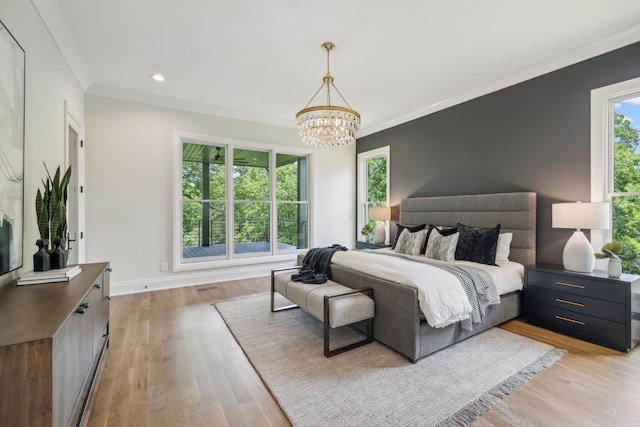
<point>316,265</point>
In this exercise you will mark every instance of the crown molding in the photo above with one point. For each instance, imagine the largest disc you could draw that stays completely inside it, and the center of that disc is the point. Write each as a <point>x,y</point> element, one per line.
<point>185,105</point>
<point>56,24</point>
<point>580,53</point>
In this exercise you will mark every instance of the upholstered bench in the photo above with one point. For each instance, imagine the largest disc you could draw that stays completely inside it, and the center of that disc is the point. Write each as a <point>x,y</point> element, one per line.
<point>332,303</point>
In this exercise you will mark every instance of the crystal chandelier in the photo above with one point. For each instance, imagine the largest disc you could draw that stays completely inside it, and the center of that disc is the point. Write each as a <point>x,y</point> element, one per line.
<point>328,125</point>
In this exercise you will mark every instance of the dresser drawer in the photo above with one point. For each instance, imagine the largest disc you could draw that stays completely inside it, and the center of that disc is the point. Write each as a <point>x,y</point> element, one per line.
<point>571,323</point>
<point>576,303</point>
<point>573,284</point>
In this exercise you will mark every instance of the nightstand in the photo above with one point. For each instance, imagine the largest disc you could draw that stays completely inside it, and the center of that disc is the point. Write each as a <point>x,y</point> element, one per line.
<point>370,245</point>
<point>590,306</point>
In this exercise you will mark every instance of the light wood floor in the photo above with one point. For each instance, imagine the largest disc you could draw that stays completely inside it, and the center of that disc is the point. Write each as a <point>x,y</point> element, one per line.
<point>173,362</point>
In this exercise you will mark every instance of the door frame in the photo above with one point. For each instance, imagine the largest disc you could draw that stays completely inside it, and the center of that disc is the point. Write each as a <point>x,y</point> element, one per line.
<point>77,180</point>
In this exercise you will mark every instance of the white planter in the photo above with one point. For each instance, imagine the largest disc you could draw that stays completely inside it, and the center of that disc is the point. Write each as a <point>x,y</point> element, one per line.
<point>614,267</point>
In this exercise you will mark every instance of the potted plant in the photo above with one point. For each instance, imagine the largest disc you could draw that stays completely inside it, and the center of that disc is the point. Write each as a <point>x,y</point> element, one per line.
<point>51,214</point>
<point>614,252</point>
<point>366,230</point>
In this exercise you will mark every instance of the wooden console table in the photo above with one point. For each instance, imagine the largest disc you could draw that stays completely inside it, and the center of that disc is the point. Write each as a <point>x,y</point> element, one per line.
<point>52,339</point>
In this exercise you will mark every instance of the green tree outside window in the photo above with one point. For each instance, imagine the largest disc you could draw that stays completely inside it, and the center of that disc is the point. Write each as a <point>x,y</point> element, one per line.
<point>376,186</point>
<point>205,202</point>
<point>625,206</point>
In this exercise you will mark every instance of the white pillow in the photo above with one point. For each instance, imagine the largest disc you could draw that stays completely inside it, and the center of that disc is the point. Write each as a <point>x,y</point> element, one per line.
<point>442,247</point>
<point>410,243</point>
<point>503,247</point>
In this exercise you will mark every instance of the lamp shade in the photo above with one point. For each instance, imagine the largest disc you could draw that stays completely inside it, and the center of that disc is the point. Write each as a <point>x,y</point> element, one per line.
<point>380,213</point>
<point>580,215</point>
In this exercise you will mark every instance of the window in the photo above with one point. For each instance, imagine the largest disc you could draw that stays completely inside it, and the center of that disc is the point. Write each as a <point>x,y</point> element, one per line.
<point>373,184</point>
<point>251,204</point>
<point>291,202</point>
<point>616,164</point>
<point>204,202</point>
<point>235,202</point>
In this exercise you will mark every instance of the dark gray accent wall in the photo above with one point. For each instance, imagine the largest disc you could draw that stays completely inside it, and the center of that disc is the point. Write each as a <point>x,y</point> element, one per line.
<point>533,136</point>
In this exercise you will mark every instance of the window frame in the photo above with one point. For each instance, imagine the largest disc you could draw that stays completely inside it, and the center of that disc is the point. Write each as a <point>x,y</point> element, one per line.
<point>276,203</point>
<point>603,101</point>
<point>232,203</point>
<point>230,259</point>
<point>361,214</point>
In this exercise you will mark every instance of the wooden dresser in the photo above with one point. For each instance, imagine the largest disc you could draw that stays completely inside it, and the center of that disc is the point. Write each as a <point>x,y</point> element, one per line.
<point>52,339</point>
<point>589,306</point>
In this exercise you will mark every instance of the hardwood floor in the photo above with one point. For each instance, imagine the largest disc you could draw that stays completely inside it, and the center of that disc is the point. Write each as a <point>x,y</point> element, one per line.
<point>173,362</point>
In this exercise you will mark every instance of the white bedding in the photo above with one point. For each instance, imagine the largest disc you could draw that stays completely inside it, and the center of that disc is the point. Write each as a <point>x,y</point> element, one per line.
<point>441,297</point>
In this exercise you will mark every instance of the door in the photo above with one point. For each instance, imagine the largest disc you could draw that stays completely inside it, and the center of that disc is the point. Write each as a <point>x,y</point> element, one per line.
<point>75,201</point>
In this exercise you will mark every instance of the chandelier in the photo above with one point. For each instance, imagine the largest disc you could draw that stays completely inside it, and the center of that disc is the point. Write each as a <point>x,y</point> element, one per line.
<point>328,125</point>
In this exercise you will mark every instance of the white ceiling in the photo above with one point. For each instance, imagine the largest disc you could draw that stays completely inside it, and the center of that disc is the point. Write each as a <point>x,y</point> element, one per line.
<point>262,60</point>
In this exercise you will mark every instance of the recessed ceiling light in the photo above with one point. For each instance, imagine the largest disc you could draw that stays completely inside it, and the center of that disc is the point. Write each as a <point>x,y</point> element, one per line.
<point>157,77</point>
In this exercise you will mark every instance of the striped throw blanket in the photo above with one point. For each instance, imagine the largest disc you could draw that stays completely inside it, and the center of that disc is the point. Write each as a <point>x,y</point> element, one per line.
<point>477,284</point>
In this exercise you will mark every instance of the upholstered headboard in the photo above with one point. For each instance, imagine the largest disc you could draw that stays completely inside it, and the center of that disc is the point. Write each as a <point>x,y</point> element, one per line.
<point>516,212</point>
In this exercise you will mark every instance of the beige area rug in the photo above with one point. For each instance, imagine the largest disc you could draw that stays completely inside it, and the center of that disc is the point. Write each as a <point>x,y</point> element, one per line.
<point>373,385</point>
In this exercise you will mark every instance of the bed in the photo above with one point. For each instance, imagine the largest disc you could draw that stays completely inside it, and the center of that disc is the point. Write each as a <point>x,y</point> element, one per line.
<point>398,321</point>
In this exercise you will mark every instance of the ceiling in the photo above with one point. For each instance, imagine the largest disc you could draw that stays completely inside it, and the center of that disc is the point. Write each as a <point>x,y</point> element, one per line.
<point>262,60</point>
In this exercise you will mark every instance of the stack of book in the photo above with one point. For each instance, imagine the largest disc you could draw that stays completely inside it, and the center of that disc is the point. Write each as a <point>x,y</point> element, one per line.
<point>50,276</point>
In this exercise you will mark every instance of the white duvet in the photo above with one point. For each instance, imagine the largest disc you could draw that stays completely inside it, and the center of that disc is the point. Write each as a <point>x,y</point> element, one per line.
<point>441,297</point>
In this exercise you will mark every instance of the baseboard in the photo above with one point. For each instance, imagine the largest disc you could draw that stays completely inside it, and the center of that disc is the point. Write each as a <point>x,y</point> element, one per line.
<point>202,277</point>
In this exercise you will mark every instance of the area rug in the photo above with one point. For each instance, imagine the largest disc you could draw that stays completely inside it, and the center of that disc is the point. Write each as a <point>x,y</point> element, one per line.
<point>373,385</point>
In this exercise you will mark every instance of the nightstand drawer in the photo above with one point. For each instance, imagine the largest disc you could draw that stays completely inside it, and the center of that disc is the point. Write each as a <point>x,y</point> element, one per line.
<point>576,285</point>
<point>576,303</point>
<point>576,324</point>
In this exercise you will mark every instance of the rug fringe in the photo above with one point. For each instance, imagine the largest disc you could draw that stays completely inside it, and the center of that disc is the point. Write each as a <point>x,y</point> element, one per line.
<point>474,410</point>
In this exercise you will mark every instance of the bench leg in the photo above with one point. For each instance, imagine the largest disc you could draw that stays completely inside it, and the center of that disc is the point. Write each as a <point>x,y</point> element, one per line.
<point>273,290</point>
<point>327,328</point>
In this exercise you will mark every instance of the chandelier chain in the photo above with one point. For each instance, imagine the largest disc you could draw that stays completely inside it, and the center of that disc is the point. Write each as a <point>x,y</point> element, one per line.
<point>328,79</point>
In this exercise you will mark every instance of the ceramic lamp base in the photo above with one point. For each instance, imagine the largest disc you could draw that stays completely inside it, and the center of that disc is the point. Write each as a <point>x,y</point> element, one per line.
<point>379,234</point>
<point>578,254</point>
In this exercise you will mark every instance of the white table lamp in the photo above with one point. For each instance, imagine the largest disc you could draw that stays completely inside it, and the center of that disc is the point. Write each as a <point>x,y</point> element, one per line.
<point>379,214</point>
<point>578,253</point>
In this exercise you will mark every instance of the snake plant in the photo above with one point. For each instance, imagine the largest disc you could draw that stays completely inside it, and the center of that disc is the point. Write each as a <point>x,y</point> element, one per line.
<point>51,206</point>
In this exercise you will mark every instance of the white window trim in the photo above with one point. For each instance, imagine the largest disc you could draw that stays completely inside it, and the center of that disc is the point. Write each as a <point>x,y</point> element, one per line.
<point>362,178</point>
<point>180,265</point>
<point>602,128</point>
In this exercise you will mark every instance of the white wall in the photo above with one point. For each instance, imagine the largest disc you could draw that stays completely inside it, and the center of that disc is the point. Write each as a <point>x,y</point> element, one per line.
<point>129,199</point>
<point>48,84</point>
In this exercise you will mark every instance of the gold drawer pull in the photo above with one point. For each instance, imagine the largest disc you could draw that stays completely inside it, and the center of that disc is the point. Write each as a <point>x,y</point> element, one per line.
<point>564,301</point>
<point>566,319</point>
<point>571,285</point>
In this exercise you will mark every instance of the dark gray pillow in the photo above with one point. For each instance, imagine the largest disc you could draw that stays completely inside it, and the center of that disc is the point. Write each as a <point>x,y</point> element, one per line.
<point>411,228</point>
<point>477,244</point>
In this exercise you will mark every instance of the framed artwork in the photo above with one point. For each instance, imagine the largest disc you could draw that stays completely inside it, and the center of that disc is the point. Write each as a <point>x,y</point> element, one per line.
<point>12,76</point>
